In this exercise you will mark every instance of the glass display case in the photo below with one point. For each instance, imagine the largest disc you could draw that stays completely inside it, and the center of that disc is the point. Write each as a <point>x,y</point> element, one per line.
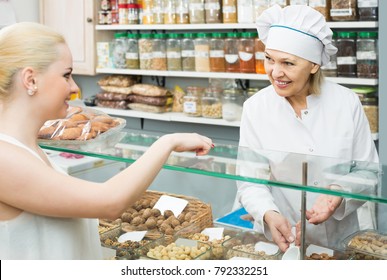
<point>305,173</point>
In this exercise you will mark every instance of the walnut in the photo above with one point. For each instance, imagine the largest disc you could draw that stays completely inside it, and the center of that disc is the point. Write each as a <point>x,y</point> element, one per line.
<point>188,216</point>
<point>137,221</point>
<point>155,212</point>
<point>152,203</point>
<point>147,213</point>
<point>141,227</point>
<point>161,217</point>
<point>145,203</point>
<point>181,217</point>
<point>164,226</point>
<point>150,223</point>
<point>159,222</point>
<point>117,221</point>
<point>128,228</point>
<point>137,205</point>
<point>125,224</point>
<point>169,231</point>
<point>177,228</point>
<point>130,210</point>
<point>126,217</point>
<point>168,213</point>
<point>185,224</point>
<point>174,222</point>
<point>135,214</point>
<point>141,212</point>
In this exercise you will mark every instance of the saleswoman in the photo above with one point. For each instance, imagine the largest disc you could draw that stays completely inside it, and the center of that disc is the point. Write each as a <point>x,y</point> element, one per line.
<point>301,112</point>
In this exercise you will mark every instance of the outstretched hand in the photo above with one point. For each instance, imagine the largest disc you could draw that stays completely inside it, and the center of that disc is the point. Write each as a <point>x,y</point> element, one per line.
<point>323,208</point>
<point>194,142</point>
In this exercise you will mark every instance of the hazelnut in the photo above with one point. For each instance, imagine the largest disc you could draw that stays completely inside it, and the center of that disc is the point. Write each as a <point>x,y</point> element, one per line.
<point>145,203</point>
<point>147,213</point>
<point>126,217</point>
<point>136,221</point>
<point>137,205</point>
<point>155,212</point>
<point>168,213</point>
<point>150,223</point>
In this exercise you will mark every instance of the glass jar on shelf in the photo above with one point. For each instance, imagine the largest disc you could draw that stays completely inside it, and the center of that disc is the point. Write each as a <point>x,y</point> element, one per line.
<point>131,56</point>
<point>229,11</point>
<point>260,6</point>
<point>159,52</point>
<point>367,55</point>
<point>133,13</point>
<point>232,104</point>
<point>158,11</point>
<point>169,11</point>
<point>246,52</point>
<point>259,49</point>
<point>346,54</point>
<point>182,15</point>
<point>245,11</point>
<point>343,10</point>
<point>231,56</point>
<point>196,11</point>
<point>368,10</point>
<point>188,52</point>
<point>217,63</point>
<point>174,52</point>
<point>213,12</point>
<point>123,13</point>
<point>330,69</point>
<point>192,101</point>
<point>212,103</point>
<point>202,52</point>
<point>369,99</point>
<point>145,51</point>
<point>323,6</point>
<point>120,48</point>
<point>147,12</point>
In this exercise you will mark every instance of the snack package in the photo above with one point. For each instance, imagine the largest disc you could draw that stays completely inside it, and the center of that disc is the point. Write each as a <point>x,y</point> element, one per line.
<point>80,124</point>
<point>149,108</point>
<point>118,81</point>
<point>178,99</point>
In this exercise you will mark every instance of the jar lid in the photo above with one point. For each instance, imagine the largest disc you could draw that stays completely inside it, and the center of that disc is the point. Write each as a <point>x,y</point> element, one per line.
<point>120,35</point>
<point>203,35</point>
<point>365,90</point>
<point>217,35</point>
<point>366,34</point>
<point>249,34</point>
<point>232,34</point>
<point>146,36</point>
<point>346,34</point>
<point>174,36</point>
<point>189,35</point>
<point>159,35</point>
<point>132,35</point>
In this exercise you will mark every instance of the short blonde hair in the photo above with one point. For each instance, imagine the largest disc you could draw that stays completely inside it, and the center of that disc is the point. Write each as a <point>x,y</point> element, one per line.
<point>315,82</point>
<point>26,44</point>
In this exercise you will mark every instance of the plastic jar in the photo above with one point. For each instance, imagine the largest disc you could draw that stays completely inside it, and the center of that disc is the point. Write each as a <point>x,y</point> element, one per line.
<point>229,11</point>
<point>182,15</point>
<point>133,13</point>
<point>231,56</point>
<point>323,6</point>
<point>147,12</point>
<point>232,104</point>
<point>217,63</point>
<point>346,54</point>
<point>188,52</point>
<point>368,10</point>
<point>343,10</point>
<point>246,52</point>
<point>245,11</point>
<point>202,52</point>
<point>196,11</point>
<point>212,103</point>
<point>192,104</point>
<point>260,6</point>
<point>259,49</point>
<point>371,109</point>
<point>120,48</point>
<point>213,12</point>
<point>169,12</point>
<point>367,55</point>
<point>145,51</point>
<point>123,12</point>
<point>158,12</point>
<point>132,58</point>
<point>174,52</point>
<point>330,69</point>
<point>159,52</point>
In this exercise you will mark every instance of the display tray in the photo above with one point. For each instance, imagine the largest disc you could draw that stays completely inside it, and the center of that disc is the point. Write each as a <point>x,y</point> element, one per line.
<point>367,244</point>
<point>314,252</point>
<point>106,139</point>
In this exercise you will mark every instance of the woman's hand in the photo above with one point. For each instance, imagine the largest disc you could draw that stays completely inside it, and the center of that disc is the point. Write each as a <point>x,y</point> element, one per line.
<point>323,208</point>
<point>182,142</point>
<point>280,228</point>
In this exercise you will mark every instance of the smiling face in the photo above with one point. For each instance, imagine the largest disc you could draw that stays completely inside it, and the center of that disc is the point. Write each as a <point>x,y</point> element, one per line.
<point>289,74</point>
<point>56,85</point>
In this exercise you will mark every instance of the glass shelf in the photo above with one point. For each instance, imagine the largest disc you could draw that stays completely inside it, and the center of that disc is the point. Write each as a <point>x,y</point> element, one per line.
<point>357,180</point>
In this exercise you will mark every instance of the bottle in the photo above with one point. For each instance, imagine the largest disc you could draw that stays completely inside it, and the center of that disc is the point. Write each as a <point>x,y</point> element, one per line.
<point>182,15</point>
<point>192,104</point>
<point>259,49</point>
<point>159,52</point>
<point>169,12</point>
<point>147,11</point>
<point>131,56</point>
<point>232,104</point>
<point>158,11</point>
<point>368,10</point>
<point>346,54</point>
<point>212,103</point>
<point>231,56</point>
<point>229,11</point>
<point>213,12</point>
<point>245,11</point>
<point>367,55</point>
<point>330,69</point>
<point>196,11</point>
<point>120,48</point>
<point>202,52</point>
<point>188,52</point>
<point>217,62</point>
<point>174,52</point>
<point>145,51</point>
<point>246,52</point>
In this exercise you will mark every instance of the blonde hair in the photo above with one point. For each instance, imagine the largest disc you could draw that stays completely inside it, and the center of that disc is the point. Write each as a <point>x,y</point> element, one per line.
<point>315,82</point>
<point>26,44</point>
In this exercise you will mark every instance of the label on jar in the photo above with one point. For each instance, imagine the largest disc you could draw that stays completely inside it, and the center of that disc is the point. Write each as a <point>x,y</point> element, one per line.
<point>229,9</point>
<point>245,56</point>
<point>317,3</point>
<point>196,6</point>
<point>131,55</point>
<point>231,58</point>
<point>259,55</point>
<point>341,12</point>
<point>173,54</point>
<point>366,55</point>
<point>189,107</point>
<point>188,53</point>
<point>159,54</point>
<point>217,53</point>
<point>367,3</point>
<point>146,56</point>
<point>212,6</point>
<point>346,60</point>
<point>201,54</point>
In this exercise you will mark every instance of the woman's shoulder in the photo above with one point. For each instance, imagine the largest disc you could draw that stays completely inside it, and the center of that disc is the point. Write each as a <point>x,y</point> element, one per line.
<point>333,90</point>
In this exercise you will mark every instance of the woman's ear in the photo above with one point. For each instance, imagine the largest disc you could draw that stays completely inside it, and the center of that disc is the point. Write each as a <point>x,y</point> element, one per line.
<point>28,78</point>
<point>314,68</point>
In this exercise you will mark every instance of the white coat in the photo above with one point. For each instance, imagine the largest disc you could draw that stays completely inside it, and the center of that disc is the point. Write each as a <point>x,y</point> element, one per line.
<point>333,131</point>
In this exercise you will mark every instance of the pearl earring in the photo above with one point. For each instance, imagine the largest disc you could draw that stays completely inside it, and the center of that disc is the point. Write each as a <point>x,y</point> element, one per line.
<point>31,92</point>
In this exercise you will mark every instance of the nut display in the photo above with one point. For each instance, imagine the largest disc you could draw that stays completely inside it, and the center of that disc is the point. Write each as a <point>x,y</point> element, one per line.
<point>369,243</point>
<point>175,252</point>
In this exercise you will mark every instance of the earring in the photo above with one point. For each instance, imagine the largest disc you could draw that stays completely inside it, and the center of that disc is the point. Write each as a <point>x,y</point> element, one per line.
<point>31,92</point>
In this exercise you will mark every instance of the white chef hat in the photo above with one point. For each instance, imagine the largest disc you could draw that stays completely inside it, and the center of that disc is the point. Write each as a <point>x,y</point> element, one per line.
<point>297,29</point>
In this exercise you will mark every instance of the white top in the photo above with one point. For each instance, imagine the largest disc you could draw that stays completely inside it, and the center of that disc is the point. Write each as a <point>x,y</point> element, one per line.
<point>31,236</point>
<point>333,125</point>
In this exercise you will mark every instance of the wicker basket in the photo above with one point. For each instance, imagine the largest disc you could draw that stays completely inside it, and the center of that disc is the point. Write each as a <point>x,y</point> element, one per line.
<point>201,212</point>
